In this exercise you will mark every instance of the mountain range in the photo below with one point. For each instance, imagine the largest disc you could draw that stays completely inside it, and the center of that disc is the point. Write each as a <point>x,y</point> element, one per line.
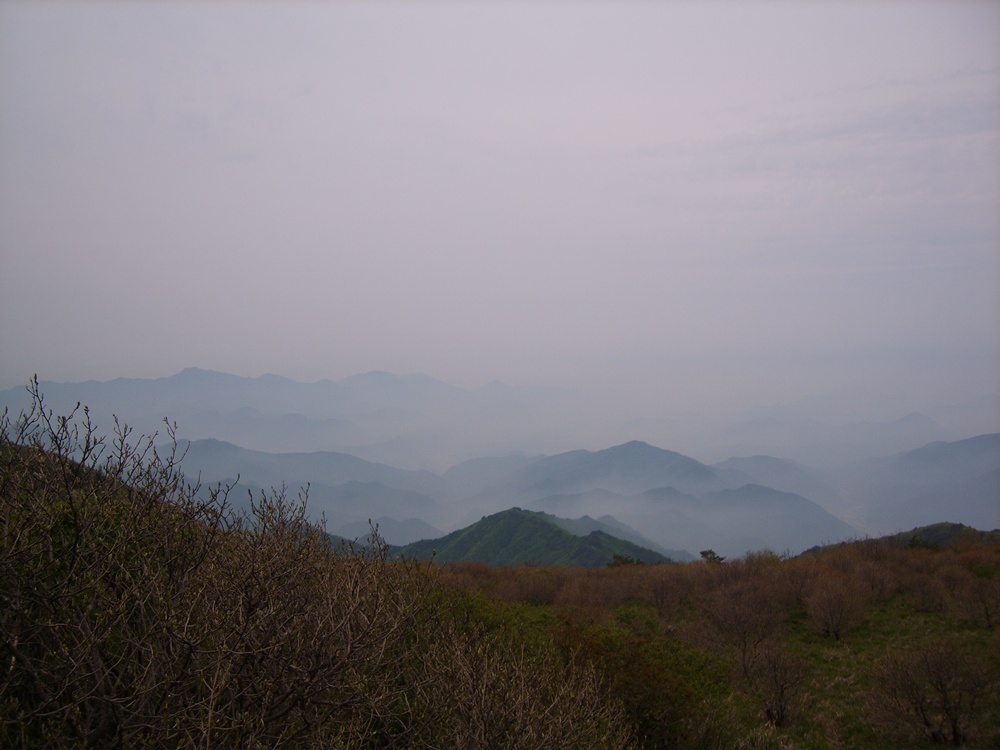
<point>678,502</point>
<point>417,422</point>
<point>363,446</point>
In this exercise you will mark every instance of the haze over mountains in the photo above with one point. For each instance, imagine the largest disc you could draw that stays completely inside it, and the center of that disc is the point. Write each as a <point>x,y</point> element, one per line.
<point>415,421</point>
<point>424,458</point>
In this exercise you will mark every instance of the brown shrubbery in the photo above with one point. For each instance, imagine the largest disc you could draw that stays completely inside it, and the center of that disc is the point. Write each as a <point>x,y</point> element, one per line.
<point>741,649</point>
<point>139,611</point>
<point>933,692</point>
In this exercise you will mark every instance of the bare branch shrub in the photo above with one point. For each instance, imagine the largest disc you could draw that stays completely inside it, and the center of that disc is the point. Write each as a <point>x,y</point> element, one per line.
<point>976,596</point>
<point>837,602</point>
<point>484,690</point>
<point>778,677</point>
<point>932,693</point>
<point>138,611</point>
<point>977,600</point>
<point>744,616</point>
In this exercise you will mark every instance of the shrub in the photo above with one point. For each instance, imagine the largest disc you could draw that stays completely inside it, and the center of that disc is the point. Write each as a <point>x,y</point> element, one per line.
<point>836,603</point>
<point>935,692</point>
<point>137,610</point>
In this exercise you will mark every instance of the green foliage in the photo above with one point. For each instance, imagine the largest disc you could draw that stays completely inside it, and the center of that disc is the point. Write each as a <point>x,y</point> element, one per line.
<point>710,556</point>
<point>668,687</point>
<point>521,537</point>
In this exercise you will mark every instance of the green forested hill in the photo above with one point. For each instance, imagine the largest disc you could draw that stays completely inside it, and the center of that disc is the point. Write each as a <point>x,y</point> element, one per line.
<point>516,537</point>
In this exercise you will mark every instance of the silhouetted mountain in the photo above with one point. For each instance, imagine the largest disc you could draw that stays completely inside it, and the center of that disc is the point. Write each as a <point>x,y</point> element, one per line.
<point>784,475</point>
<point>358,501</point>
<point>335,435</point>
<point>517,537</point>
<point>731,521</point>
<point>786,432</point>
<point>215,459</point>
<point>477,475</point>
<point>632,467</point>
<point>344,488</point>
<point>957,481</point>
<point>760,517</point>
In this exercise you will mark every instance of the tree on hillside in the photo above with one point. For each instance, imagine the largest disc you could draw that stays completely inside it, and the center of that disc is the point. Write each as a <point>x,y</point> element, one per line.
<point>837,602</point>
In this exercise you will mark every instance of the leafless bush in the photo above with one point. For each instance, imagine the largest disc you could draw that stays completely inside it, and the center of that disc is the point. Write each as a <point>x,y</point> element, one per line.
<point>977,600</point>
<point>527,584</point>
<point>837,602</point>
<point>489,691</point>
<point>744,616</point>
<point>778,677</point>
<point>137,610</point>
<point>933,693</point>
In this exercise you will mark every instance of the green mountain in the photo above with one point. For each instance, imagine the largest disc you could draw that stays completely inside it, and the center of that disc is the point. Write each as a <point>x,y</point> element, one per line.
<point>933,535</point>
<point>517,537</point>
<point>941,534</point>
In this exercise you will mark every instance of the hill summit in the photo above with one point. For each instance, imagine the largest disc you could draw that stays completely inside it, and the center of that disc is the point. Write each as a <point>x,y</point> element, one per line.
<point>519,537</point>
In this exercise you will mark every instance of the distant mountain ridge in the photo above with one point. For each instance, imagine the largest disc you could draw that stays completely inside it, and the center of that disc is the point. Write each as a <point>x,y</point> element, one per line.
<point>677,502</point>
<point>631,466</point>
<point>412,421</point>
<point>823,444</point>
<point>363,445</point>
<point>417,421</point>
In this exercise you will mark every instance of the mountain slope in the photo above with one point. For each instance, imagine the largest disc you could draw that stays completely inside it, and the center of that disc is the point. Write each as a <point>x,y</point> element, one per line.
<point>783,475</point>
<point>631,467</point>
<point>613,527</point>
<point>731,521</point>
<point>517,537</point>
<point>216,460</point>
<point>958,481</point>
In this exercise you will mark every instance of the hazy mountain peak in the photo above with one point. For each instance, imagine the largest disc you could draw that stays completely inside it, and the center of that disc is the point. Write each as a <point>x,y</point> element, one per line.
<point>198,373</point>
<point>372,377</point>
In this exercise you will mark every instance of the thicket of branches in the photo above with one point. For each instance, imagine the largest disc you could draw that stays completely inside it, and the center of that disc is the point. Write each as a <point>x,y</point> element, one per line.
<point>138,610</point>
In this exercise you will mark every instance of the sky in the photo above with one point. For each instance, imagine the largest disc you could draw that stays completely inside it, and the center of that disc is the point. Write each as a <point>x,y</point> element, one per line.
<point>686,205</point>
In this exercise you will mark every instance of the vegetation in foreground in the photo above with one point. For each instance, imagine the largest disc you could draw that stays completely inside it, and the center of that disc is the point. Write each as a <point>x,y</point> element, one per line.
<point>137,610</point>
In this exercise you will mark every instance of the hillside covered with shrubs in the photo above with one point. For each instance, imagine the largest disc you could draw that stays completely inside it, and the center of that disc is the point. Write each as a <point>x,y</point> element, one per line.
<point>137,610</point>
<point>140,610</point>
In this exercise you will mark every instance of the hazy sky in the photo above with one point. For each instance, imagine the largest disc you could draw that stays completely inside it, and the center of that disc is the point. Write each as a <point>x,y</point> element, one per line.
<point>717,202</point>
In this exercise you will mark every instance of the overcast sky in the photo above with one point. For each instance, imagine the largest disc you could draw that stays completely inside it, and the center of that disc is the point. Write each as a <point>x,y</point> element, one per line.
<point>726,203</point>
